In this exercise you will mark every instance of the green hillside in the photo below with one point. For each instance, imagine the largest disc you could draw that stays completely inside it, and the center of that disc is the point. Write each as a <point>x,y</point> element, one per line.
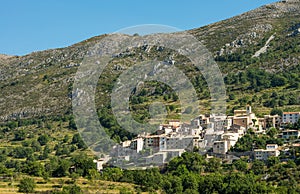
<point>258,55</point>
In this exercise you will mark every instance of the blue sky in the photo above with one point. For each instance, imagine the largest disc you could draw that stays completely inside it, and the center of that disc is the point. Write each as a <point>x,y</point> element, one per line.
<point>33,25</point>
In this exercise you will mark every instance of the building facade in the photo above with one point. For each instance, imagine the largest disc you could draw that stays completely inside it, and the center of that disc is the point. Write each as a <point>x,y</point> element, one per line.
<point>290,117</point>
<point>264,154</point>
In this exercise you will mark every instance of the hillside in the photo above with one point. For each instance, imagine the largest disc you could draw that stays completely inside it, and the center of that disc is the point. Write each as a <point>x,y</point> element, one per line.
<point>265,39</point>
<point>258,55</point>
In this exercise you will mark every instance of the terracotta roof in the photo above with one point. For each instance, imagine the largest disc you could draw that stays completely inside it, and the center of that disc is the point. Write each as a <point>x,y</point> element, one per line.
<point>291,113</point>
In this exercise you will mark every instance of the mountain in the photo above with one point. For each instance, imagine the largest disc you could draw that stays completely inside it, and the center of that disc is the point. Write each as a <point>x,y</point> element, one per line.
<point>260,44</point>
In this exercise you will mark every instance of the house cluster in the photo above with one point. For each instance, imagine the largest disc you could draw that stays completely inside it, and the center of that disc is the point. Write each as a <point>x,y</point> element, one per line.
<point>215,134</point>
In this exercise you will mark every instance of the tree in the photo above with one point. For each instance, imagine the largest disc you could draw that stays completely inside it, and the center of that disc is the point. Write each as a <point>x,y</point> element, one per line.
<point>272,132</point>
<point>62,169</point>
<point>73,189</point>
<point>83,164</point>
<point>189,182</point>
<point>240,165</point>
<point>172,184</point>
<point>93,174</point>
<point>36,146</point>
<point>276,111</point>
<point>12,125</point>
<point>231,97</point>
<point>254,121</point>
<point>211,183</point>
<point>213,165</point>
<point>192,161</point>
<point>297,124</point>
<point>20,135</point>
<point>272,161</point>
<point>174,97</point>
<point>43,139</point>
<point>258,167</point>
<point>72,124</point>
<point>78,141</point>
<point>112,174</point>
<point>22,152</point>
<point>278,80</point>
<point>33,168</point>
<point>27,185</point>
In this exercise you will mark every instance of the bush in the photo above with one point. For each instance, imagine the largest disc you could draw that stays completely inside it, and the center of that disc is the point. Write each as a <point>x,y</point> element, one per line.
<point>19,135</point>
<point>43,139</point>
<point>74,189</point>
<point>27,185</point>
<point>276,111</point>
<point>21,152</point>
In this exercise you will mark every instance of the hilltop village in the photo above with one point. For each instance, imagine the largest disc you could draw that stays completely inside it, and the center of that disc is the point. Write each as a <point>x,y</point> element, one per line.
<point>210,135</point>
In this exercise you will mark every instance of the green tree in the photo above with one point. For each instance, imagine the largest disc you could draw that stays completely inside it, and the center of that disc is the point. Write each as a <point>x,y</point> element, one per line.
<point>172,184</point>
<point>62,169</point>
<point>272,132</point>
<point>33,168</point>
<point>240,165</point>
<point>175,97</point>
<point>278,80</point>
<point>27,185</point>
<point>272,161</point>
<point>36,146</point>
<point>72,124</point>
<point>83,164</point>
<point>43,139</point>
<point>258,167</point>
<point>212,183</point>
<point>73,189</point>
<point>276,111</point>
<point>213,165</point>
<point>78,141</point>
<point>189,182</point>
<point>20,135</point>
<point>22,152</point>
<point>112,174</point>
<point>231,97</point>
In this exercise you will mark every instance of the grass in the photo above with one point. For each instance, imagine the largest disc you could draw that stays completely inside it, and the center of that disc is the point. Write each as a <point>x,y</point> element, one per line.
<point>87,186</point>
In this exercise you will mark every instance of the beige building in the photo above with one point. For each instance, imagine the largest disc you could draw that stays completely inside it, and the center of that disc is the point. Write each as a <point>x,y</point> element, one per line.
<point>227,141</point>
<point>245,118</point>
<point>221,147</point>
<point>271,121</point>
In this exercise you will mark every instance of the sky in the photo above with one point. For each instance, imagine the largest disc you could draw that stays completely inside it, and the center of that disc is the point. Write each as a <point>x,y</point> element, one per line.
<point>33,25</point>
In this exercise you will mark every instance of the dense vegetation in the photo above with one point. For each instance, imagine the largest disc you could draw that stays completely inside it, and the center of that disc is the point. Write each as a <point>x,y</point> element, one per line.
<point>51,148</point>
<point>191,173</point>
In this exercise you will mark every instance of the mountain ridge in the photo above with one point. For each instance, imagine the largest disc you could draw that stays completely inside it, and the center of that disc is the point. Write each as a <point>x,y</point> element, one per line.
<point>40,83</point>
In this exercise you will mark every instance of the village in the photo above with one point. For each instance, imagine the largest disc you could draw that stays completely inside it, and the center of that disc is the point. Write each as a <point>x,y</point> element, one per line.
<point>210,135</point>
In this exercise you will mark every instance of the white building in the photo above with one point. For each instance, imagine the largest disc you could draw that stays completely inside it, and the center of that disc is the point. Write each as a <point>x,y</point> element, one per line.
<point>99,164</point>
<point>220,123</point>
<point>221,147</point>
<point>264,154</point>
<point>232,138</point>
<point>137,144</point>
